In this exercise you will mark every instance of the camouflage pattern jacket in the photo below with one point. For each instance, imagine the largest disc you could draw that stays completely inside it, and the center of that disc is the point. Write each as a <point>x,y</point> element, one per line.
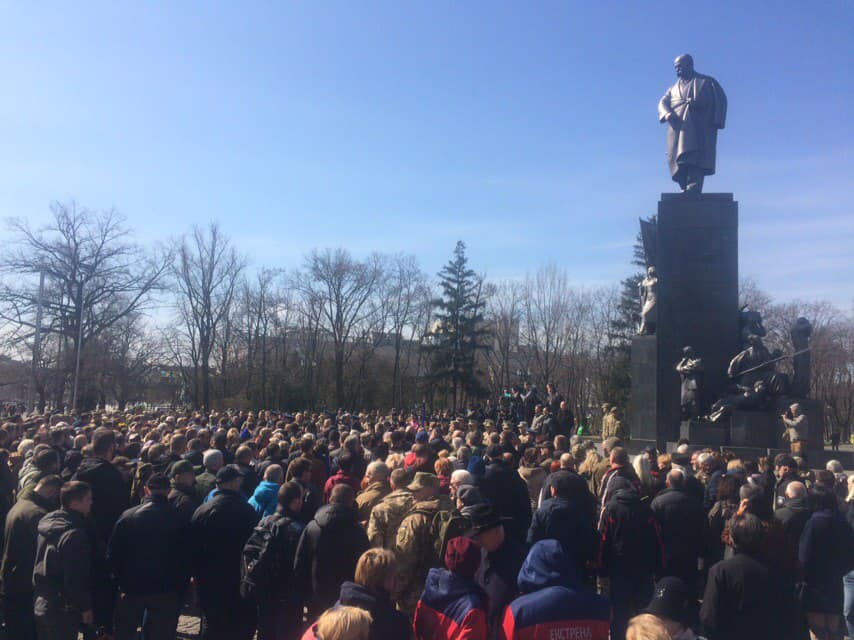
<point>387,516</point>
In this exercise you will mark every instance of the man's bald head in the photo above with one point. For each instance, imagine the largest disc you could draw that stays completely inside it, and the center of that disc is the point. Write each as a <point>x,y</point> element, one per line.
<point>684,66</point>
<point>567,461</point>
<point>796,490</point>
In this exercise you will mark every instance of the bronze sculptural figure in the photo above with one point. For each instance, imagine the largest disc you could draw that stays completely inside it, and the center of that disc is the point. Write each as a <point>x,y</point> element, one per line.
<point>694,108</point>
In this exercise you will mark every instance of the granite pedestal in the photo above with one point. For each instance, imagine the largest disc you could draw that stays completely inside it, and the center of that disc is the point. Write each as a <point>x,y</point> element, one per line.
<point>697,265</point>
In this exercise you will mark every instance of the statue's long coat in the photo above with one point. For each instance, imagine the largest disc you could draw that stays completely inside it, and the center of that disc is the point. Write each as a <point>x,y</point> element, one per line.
<point>694,140</point>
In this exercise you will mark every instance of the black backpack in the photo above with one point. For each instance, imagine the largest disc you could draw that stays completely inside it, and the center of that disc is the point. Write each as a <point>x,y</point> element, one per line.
<point>260,561</point>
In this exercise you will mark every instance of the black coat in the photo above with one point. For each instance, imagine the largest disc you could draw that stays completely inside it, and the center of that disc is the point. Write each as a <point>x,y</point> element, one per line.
<point>682,523</point>
<point>826,554</point>
<point>793,516</point>
<point>630,542</point>
<point>218,531</point>
<point>386,621</point>
<point>148,551</point>
<point>61,573</point>
<point>328,551</point>
<point>507,492</point>
<point>19,544</point>
<point>569,523</point>
<point>743,601</point>
<point>110,494</point>
<point>185,502</point>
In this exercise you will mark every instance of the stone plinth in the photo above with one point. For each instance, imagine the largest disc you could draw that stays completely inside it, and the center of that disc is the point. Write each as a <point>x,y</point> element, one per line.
<point>697,265</point>
<point>706,433</point>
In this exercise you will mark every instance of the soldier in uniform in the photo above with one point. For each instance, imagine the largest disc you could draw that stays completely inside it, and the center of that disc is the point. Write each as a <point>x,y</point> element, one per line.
<point>414,544</point>
<point>386,516</point>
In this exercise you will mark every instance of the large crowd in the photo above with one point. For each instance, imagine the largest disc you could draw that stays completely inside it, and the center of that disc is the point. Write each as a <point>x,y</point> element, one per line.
<point>500,523</point>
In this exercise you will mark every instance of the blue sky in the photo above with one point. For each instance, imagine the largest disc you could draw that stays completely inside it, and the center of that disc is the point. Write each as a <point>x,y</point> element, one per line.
<point>529,130</point>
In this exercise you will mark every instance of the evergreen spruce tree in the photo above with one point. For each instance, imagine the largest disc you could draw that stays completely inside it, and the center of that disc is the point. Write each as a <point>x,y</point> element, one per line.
<point>458,333</point>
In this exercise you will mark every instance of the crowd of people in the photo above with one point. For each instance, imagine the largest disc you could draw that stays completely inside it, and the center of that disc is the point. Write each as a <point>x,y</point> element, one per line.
<point>372,527</point>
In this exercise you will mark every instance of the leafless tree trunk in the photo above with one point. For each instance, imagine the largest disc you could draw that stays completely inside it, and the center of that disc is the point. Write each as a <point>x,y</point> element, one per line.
<point>206,274</point>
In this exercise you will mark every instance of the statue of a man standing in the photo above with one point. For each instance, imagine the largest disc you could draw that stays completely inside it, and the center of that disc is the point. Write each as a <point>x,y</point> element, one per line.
<point>694,109</point>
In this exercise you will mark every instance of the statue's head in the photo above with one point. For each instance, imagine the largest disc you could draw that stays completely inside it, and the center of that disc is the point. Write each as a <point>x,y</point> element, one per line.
<point>650,271</point>
<point>684,66</point>
<point>688,352</point>
<point>796,409</point>
<point>754,341</point>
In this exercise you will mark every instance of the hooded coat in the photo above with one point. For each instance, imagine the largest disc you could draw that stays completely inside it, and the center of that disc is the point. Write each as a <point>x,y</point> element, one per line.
<point>451,608</point>
<point>219,529</point>
<point>61,575</point>
<point>110,494</point>
<point>19,547</point>
<point>327,553</point>
<point>630,544</point>
<point>553,603</point>
<point>265,499</point>
<point>569,523</point>
<point>386,622</point>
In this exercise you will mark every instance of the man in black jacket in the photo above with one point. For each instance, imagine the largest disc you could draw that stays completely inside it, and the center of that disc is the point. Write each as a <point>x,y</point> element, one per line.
<point>147,555</point>
<point>279,606</point>
<point>219,530</point>
<point>110,498</point>
<point>183,494</point>
<point>743,599</point>
<point>328,550</point>
<point>61,578</point>
<point>795,512</point>
<point>504,489</point>
<point>568,520</point>
<point>682,523</point>
<point>630,553</point>
<point>19,556</point>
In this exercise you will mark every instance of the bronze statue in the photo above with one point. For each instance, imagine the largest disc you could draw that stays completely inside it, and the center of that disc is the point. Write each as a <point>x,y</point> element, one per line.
<point>756,363</point>
<point>694,109</point>
<point>690,369</point>
<point>755,397</point>
<point>648,293</point>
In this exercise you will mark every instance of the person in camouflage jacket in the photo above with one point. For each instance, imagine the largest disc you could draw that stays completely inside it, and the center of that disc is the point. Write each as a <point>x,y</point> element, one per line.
<point>414,544</point>
<point>386,516</point>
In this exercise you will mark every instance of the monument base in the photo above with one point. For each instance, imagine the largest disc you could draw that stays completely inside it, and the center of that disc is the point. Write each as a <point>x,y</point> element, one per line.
<point>705,433</point>
<point>753,429</point>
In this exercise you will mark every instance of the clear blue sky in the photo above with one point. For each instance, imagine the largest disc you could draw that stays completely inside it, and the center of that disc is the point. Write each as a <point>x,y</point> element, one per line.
<point>529,130</point>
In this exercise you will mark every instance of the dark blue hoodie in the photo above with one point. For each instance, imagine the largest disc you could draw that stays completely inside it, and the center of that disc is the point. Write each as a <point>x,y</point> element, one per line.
<point>553,603</point>
<point>451,608</point>
<point>386,621</point>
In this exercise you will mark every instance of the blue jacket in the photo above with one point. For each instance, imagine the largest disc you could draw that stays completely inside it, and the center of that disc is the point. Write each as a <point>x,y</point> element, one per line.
<point>265,499</point>
<point>554,604</point>
<point>451,608</point>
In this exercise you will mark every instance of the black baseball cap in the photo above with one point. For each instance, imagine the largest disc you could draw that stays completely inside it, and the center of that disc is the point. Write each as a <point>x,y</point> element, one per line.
<point>228,473</point>
<point>672,600</point>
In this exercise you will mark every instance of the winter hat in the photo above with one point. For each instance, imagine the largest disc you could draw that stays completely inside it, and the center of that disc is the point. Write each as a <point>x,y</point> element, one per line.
<point>462,557</point>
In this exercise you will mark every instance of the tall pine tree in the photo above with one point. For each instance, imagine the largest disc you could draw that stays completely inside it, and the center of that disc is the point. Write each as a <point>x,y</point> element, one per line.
<point>458,333</point>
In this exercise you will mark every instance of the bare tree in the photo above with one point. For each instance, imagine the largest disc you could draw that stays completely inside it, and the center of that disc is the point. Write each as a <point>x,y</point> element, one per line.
<point>206,272</point>
<point>545,313</point>
<point>342,287</point>
<point>95,277</point>
<point>504,314</point>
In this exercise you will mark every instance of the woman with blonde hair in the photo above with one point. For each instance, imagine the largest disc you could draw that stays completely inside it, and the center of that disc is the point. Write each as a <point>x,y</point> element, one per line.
<point>341,623</point>
<point>371,590</point>
<point>643,467</point>
<point>646,627</point>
